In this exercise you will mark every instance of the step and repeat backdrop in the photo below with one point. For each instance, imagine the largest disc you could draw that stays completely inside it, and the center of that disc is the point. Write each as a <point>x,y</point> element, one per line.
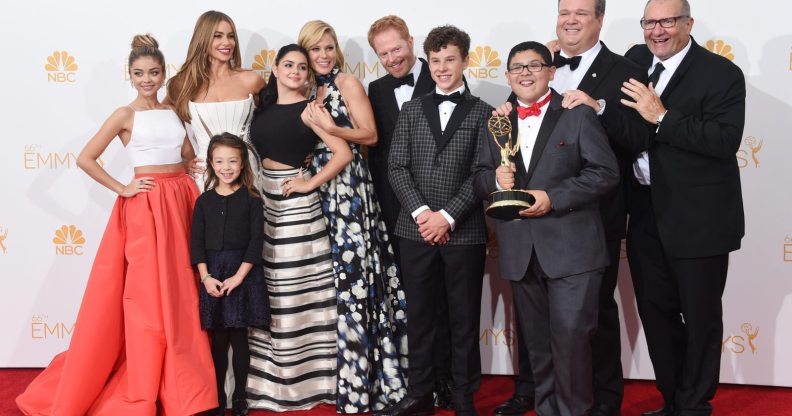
<point>64,71</point>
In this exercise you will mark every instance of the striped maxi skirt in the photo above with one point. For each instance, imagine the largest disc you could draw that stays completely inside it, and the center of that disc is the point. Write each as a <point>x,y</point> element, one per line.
<point>293,364</point>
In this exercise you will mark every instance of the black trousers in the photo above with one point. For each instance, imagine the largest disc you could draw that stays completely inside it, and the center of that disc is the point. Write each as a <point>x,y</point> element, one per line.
<point>605,346</point>
<point>679,301</point>
<point>237,339</point>
<point>453,273</point>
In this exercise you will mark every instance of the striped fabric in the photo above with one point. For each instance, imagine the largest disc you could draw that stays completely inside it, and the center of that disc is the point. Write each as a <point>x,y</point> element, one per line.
<point>293,364</point>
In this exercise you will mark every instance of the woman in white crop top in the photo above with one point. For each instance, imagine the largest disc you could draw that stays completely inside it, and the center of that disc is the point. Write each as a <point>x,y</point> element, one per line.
<point>211,91</point>
<point>139,348</point>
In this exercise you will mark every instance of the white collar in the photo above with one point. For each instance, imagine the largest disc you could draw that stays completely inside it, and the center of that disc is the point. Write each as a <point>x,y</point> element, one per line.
<point>461,90</point>
<point>587,54</point>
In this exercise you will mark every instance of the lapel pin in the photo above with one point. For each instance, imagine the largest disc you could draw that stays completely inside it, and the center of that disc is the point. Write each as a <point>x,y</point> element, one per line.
<point>594,75</point>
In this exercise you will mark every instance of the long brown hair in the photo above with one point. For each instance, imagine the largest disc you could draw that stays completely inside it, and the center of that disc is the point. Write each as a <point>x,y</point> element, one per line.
<point>195,72</point>
<point>245,178</point>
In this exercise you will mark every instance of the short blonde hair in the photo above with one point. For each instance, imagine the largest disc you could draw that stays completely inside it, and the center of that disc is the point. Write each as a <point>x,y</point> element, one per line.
<point>312,32</point>
<point>388,22</point>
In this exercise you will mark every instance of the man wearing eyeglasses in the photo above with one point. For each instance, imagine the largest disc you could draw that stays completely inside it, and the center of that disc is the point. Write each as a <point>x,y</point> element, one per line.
<point>555,254</point>
<point>588,73</point>
<point>686,210</point>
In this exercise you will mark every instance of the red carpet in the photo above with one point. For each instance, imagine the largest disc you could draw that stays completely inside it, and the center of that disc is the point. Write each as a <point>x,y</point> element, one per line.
<point>731,400</point>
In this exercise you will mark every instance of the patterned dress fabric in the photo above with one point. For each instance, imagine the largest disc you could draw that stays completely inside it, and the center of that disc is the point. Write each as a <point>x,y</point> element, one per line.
<point>372,334</point>
<point>293,363</point>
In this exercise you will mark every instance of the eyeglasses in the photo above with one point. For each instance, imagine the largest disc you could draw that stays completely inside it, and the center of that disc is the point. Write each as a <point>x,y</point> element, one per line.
<point>532,67</point>
<point>665,22</point>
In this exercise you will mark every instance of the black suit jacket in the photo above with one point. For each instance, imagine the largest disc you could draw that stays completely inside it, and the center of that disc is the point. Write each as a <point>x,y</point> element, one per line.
<point>386,112</point>
<point>695,179</point>
<point>431,167</point>
<point>574,164</point>
<point>604,80</point>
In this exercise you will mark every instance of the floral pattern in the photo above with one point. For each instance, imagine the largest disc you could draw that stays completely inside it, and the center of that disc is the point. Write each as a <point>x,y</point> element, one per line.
<point>372,320</point>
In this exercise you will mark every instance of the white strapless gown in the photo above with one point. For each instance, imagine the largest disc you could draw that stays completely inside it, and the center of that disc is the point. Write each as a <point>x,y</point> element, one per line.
<point>210,119</point>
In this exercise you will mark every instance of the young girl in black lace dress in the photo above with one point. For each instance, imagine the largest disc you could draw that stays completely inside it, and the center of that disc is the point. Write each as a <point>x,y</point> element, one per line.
<point>227,239</point>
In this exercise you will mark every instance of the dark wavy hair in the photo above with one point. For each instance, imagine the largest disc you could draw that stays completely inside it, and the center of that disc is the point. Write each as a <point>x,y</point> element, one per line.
<point>269,94</point>
<point>246,178</point>
<point>442,36</point>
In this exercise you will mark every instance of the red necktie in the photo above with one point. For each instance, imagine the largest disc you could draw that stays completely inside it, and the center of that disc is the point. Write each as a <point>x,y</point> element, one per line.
<point>534,109</point>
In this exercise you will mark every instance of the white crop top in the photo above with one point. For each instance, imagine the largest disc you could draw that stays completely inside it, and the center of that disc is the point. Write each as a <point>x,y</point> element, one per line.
<point>157,138</point>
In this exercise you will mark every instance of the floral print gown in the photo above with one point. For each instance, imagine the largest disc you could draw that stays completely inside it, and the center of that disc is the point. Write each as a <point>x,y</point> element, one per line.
<point>372,332</point>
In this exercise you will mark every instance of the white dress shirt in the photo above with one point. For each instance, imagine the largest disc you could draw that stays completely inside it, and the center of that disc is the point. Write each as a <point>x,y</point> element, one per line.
<point>566,79</point>
<point>445,108</point>
<point>404,92</point>
<point>528,131</point>
<point>641,164</point>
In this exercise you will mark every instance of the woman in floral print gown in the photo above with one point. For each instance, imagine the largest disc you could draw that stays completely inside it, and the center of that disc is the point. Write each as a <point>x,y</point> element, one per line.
<point>372,336</point>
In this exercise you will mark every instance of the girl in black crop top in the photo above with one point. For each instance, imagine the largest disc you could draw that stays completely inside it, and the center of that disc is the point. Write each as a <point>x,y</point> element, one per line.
<point>282,130</point>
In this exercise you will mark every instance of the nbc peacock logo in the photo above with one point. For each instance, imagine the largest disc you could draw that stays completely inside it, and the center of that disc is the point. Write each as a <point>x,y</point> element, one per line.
<point>3,237</point>
<point>263,62</point>
<point>721,48</point>
<point>68,241</point>
<point>484,62</point>
<point>61,68</point>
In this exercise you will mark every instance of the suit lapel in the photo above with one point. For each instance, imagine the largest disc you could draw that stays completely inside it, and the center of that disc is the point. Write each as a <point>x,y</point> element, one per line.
<point>424,83</point>
<point>602,63</point>
<point>457,116</point>
<point>433,117</point>
<point>680,71</point>
<point>554,111</point>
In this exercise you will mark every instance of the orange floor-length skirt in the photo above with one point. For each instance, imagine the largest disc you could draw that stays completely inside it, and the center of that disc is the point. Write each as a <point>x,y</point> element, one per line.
<point>137,347</point>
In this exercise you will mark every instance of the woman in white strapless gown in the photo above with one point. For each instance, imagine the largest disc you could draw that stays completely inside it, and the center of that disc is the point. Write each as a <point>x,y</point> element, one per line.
<point>211,92</point>
<point>215,95</point>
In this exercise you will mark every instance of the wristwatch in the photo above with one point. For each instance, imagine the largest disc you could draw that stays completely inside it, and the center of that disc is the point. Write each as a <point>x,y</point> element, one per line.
<point>660,118</point>
<point>601,103</point>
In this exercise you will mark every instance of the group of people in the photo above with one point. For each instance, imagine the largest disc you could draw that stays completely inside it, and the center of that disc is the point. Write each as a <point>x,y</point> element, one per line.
<point>336,277</point>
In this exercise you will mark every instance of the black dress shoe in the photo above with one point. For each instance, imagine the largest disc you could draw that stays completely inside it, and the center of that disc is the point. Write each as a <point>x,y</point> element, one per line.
<point>442,395</point>
<point>408,406</point>
<point>603,409</point>
<point>239,407</point>
<point>516,405</point>
<point>663,411</point>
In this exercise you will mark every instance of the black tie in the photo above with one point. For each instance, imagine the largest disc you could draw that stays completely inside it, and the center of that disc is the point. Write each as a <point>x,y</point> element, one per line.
<point>659,68</point>
<point>408,79</point>
<point>455,98</point>
<point>573,62</point>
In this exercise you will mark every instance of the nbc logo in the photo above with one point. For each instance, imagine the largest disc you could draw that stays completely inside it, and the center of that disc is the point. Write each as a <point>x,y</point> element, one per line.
<point>68,241</point>
<point>788,249</point>
<point>263,62</point>
<point>484,62</point>
<point>721,48</point>
<point>3,236</point>
<point>748,154</point>
<point>61,67</point>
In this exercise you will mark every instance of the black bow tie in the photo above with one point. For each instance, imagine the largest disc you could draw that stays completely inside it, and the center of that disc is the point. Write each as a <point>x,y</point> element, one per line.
<point>407,79</point>
<point>455,98</point>
<point>573,62</point>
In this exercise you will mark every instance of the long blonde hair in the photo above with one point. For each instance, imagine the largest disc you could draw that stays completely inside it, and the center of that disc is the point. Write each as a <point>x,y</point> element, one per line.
<point>312,32</point>
<point>195,72</point>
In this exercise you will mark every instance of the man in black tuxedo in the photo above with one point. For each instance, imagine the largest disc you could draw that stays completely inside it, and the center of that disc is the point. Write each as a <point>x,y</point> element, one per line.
<point>407,78</point>
<point>555,255</point>
<point>441,223</point>
<point>686,210</point>
<point>588,73</point>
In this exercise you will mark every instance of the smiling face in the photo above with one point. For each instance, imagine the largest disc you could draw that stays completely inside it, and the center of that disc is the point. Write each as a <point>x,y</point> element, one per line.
<point>227,164</point>
<point>147,75</point>
<point>223,42</point>
<point>665,42</point>
<point>529,86</point>
<point>323,55</point>
<point>394,52</point>
<point>578,27</point>
<point>291,71</point>
<point>447,67</point>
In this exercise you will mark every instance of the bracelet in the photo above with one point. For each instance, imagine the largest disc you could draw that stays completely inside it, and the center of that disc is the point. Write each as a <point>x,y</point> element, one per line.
<point>206,276</point>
